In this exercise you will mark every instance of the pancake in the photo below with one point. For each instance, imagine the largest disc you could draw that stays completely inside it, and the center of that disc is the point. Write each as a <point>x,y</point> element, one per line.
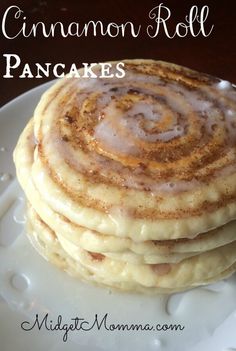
<point>131,183</point>
<point>125,276</point>
<point>168,251</point>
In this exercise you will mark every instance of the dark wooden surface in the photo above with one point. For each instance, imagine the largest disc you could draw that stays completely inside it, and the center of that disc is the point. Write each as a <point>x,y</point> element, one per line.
<point>215,54</point>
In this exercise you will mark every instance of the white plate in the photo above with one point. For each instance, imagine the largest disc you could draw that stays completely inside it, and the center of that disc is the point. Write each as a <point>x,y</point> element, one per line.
<point>31,286</point>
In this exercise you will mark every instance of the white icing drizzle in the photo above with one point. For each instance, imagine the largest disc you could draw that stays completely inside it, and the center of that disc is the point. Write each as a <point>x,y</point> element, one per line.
<point>150,112</point>
<point>198,104</point>
<point>171,134</point>
<point>173,187</point>
<point>131,120</point>
<point>105,132</point>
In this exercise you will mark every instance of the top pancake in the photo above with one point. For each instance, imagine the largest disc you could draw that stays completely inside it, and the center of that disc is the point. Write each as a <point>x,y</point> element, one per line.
<point>150,156</point>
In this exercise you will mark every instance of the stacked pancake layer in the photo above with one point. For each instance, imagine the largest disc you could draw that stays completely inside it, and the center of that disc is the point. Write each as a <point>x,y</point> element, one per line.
<point>131,182</point>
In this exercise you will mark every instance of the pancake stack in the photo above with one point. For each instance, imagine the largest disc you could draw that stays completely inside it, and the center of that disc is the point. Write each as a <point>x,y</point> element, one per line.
<point>131,182</point>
